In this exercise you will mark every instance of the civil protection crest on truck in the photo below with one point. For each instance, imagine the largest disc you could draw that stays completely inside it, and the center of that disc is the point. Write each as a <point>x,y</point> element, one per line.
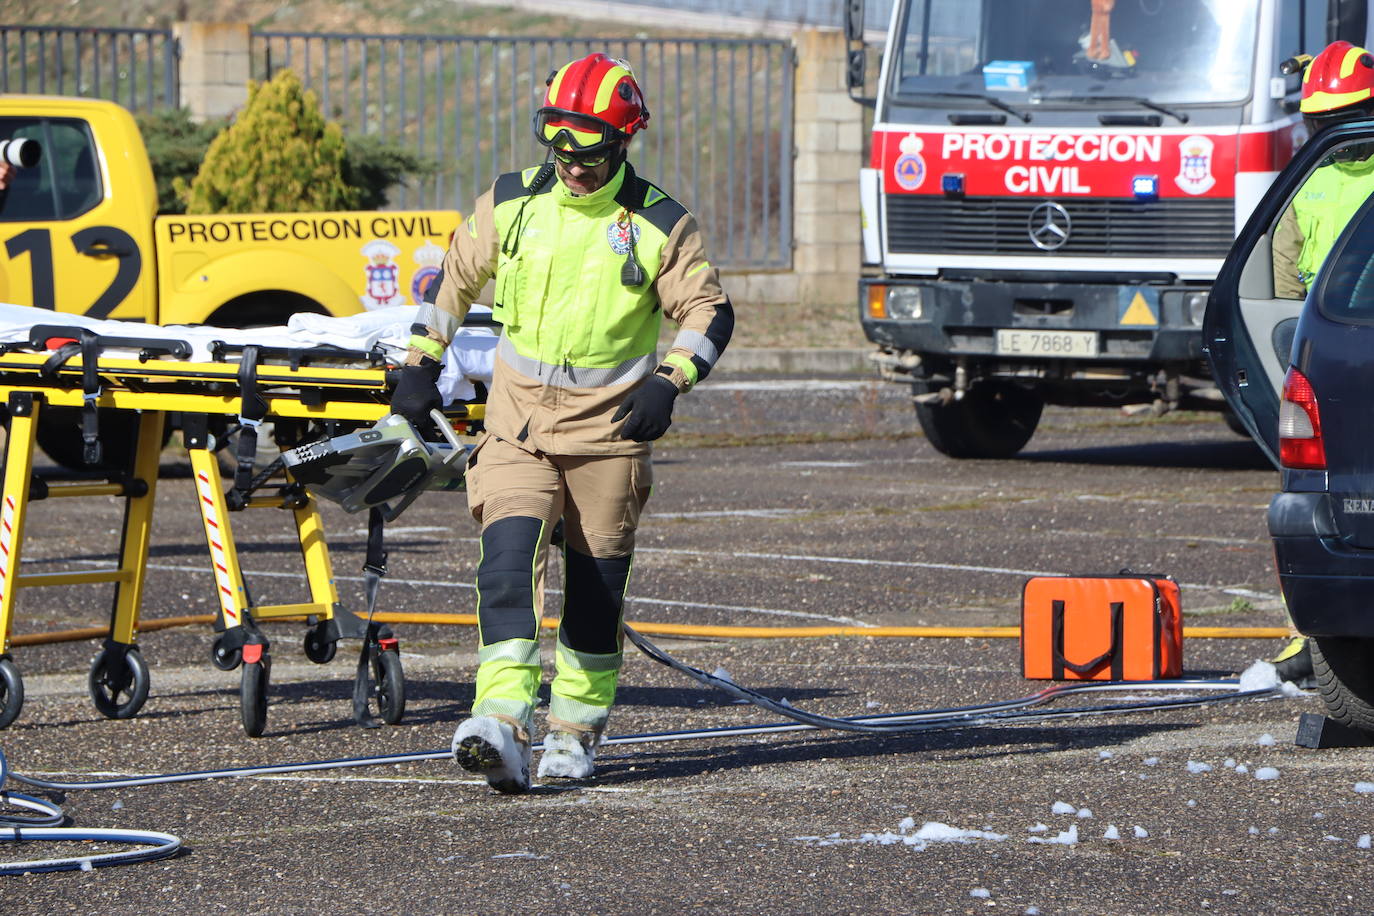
<point>1195,165</point>
<point>382,274</point>
<point>909,171</point>
<point>429,259</point>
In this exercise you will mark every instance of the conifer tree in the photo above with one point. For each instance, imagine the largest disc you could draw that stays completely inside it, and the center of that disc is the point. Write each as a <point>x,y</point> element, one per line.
<point>280,155</point>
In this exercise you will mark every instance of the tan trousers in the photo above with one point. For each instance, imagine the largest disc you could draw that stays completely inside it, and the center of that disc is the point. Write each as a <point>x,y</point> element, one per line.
<point>518,497</point>
<point>599,497</point>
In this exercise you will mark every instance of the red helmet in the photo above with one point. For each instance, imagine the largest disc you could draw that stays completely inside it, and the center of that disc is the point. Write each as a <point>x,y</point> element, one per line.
<point>1339,78</point>
<point>590,105</point>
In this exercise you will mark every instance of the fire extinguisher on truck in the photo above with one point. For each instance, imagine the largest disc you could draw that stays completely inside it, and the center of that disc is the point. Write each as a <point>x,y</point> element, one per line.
<point>1052,187</point>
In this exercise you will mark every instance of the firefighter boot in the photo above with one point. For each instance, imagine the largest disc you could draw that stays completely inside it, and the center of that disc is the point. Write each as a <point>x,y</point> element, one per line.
<point>1294,663</point>
<point>568,755</point>
<point>492,747</point>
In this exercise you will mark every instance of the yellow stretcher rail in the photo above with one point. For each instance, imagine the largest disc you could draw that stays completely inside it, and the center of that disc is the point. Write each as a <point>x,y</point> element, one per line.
<point>206,395</point>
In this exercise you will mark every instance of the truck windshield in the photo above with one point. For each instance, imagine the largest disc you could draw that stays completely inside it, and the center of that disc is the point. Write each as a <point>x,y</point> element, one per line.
<point>1166,51</point>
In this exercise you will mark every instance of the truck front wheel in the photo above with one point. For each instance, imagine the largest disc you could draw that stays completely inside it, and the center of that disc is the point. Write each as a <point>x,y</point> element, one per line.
<point>59,436</point>
<point>991,420</point>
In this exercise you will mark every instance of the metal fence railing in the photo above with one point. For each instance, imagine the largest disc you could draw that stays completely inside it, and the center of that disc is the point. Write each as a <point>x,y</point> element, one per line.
<point>134,67</point>
<point>824,13</point>
<point>719,138</point>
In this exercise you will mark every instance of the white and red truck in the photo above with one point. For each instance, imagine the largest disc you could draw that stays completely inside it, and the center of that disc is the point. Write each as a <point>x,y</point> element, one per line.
<point>1052,187</point>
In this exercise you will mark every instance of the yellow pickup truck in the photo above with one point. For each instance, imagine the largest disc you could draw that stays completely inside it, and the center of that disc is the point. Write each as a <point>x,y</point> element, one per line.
<point>81,234</point>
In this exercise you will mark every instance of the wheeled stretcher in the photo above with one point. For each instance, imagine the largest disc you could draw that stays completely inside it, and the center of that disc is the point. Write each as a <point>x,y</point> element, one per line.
<point>140,379</point>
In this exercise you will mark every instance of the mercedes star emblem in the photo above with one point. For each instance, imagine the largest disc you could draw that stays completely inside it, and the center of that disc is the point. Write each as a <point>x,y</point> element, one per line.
<point>1049,226</point>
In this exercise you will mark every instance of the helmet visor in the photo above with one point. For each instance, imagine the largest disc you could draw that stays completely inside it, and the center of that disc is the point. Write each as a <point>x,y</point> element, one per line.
<point>573,132</point>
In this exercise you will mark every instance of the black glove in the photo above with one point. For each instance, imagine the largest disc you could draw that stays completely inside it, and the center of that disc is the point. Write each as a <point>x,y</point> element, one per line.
<point>417,391</point>
<point>650,409</point>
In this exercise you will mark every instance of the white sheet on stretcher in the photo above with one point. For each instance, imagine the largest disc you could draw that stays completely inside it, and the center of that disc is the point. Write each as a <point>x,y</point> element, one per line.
<point>469,358</point>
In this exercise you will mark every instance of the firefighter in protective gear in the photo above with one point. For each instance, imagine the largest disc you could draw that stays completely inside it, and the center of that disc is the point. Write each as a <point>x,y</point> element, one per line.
<point>587,259</point>
<point>1337,86</point>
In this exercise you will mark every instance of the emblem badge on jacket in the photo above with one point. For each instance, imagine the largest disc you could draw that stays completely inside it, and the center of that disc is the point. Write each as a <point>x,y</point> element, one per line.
<point>618,235</point>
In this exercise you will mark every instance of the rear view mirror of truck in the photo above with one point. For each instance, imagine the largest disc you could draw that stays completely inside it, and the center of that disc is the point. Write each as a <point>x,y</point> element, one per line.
<point>854,21</point>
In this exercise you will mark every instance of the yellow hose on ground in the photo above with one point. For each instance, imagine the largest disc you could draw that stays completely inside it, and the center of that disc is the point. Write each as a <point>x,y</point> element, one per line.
<point>665,629</point>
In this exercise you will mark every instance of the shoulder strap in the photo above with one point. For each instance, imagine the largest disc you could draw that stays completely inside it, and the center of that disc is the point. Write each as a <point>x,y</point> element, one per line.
<point>649,202</point>
<point>514,185</point>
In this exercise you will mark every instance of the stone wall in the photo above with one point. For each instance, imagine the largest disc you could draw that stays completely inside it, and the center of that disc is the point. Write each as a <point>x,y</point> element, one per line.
<point>214,67</point>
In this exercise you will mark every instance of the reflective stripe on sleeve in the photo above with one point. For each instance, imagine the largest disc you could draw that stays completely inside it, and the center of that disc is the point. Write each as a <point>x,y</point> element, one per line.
<point>443,323</point>
<point>698,344</point>
<point>689,369</point>
<point>564,376</point>
<point>429,345</point>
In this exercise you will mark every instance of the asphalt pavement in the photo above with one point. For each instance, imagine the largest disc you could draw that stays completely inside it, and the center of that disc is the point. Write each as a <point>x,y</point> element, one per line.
<point>778,501</point>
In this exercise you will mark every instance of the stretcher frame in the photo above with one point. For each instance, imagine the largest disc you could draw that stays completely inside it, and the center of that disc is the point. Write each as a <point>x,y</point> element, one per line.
<point>198,392</point>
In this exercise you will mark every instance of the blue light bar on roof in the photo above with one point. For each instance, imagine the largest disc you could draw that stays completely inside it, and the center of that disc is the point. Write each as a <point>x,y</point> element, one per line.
<point>1145,187</point>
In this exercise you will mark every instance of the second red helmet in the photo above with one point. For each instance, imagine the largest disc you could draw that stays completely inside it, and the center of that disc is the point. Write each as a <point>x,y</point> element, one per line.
<point>590,105</point>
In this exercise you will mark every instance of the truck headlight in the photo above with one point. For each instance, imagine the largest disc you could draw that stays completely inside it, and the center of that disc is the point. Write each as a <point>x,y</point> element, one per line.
<point>905,302</point>
<point>1194,307</point>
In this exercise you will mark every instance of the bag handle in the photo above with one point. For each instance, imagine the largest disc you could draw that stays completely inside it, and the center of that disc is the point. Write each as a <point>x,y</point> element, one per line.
<point>1136,573</point>
<point>1113,653</point>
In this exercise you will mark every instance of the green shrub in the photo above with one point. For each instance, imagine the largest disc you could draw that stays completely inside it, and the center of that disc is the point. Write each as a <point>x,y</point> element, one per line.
<point>279,156</point>
<point>374,165</point>
<point>176,147</point>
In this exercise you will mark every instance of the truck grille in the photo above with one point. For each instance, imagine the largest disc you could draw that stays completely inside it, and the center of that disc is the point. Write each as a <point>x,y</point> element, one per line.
<point>1196,228</point>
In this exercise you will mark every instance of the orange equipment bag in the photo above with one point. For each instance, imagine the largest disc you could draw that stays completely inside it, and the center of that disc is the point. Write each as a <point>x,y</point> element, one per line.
<point>1101,628</point>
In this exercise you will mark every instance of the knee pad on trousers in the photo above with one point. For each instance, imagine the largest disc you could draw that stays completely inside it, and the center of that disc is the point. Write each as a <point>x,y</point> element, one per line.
<point>505,580</point>
<point>593,596</point>
<point>597,543</point>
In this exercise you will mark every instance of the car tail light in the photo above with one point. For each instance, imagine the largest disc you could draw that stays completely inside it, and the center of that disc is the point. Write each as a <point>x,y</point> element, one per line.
<point>1300,425</point>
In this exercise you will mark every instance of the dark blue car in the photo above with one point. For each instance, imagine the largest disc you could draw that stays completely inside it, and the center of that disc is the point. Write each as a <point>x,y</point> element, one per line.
<point>1299,374</point>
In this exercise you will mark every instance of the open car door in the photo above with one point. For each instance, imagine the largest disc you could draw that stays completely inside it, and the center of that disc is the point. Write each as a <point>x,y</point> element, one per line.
<point>1248,329</point>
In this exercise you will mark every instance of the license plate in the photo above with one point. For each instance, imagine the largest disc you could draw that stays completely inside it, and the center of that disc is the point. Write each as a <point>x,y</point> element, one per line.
<point>1027,342</point>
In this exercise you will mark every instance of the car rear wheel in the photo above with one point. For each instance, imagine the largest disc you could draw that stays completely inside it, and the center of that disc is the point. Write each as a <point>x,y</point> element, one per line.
<point>1345,679</point>
<point>991,420</point>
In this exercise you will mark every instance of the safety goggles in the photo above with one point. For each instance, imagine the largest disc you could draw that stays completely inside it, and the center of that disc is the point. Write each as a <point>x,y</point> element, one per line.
<point>570,132</point>
<point>585,162</point>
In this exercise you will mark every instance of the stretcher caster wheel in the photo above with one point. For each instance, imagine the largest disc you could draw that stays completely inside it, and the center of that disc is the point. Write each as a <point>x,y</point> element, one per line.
<point>11,692</point>
<point>118,685</point>
<point>223,657</point>
<point>391,686</point>
<point>253,695</point>
<point>319,649</point>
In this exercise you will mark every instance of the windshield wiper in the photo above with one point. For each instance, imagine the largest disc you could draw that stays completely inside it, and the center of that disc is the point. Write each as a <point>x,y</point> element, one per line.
<point>992,100</point>
<point>1180,116</point>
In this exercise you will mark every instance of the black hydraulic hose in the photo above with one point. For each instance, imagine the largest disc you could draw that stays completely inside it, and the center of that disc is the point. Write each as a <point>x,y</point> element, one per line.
<point>907,723</point>
<point>47,826</point>
<point>49,814</point>
<point>889,723</point>
<point>197,775</point>
<point>1021,709</point>
<point>1009,712</point>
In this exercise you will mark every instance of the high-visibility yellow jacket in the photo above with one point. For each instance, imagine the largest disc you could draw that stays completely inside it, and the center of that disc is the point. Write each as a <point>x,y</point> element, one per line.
<point>575,338</point>
<point>1319,213</point>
